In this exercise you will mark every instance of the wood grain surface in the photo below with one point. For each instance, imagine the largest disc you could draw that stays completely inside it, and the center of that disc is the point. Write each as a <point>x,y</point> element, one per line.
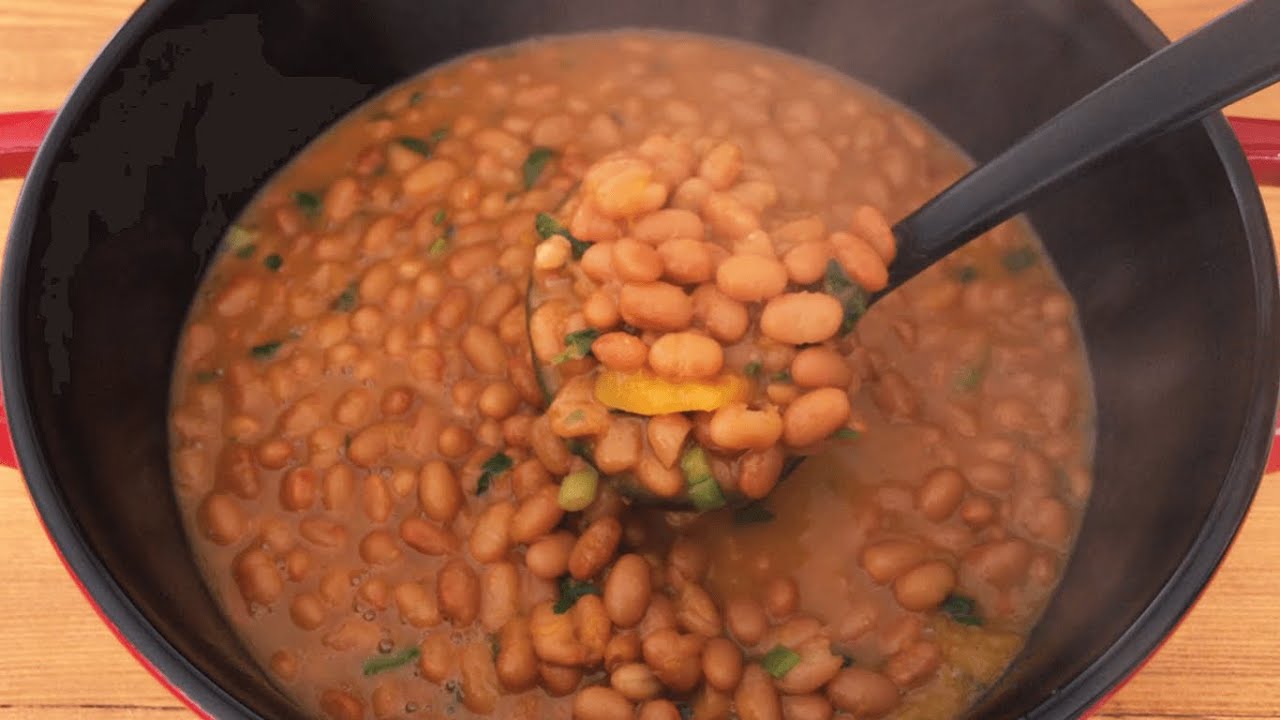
<point>59,662</point>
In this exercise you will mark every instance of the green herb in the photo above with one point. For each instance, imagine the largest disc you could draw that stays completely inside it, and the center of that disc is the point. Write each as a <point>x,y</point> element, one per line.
<point>571,591</point>
<point>273,262</point>
<point>752,514</point>
<point>208,376</point>
<point>548,226</point>
<point>1019,259</point>
<point>266,350</point>
<point>241,241</point>
<point>422,147</point>
<point>383,663</point>
<point>836,282</point>
<point>439,247</point>
<point>415,98</point>
<point>246,251</point>
<point>704,491</point>
<point>495,646</point>
<point>846,434</point>
<point>577,345</point>
<point>308,202</point>
<point>578,489</point>
<point>966,274</point>
<point>779,661</point>
<point>439,217</point>
<point>438,135</point>
<point>968,378</point>
<point>492,468</point>
<point>962,610</point>
<point>782,376</point>
<point>752,368</point>
<point>575,417</point>
<point>535,164</point>
<point>346,302</point>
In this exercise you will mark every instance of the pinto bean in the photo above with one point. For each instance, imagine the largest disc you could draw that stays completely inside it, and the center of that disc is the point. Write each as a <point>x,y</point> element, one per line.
<point>595,548</point>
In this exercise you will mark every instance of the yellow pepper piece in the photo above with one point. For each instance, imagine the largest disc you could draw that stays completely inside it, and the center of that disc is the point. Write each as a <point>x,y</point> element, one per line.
<point>644,393</point>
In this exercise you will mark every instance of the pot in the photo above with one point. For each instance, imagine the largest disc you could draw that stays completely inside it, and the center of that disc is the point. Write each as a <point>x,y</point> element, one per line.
<point>193,105</point>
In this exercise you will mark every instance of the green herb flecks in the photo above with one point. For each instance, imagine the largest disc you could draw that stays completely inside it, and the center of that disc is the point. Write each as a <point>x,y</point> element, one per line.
<point>782,376</point>
<point>383,663</point>
<point>418,145</point>
<point>439,216</point>
<point>577,345</point>
<point>968,378</point>
<point>966,274</point>
<point>497,464</point>
<point>845,434</point>
<point>208,376</point>
<point>704,491</point>
<point>273,262</point>
<point>439,247</point>
<point>837,283</point>
<point>266,350</point>
<point>534,164</point>
<point>1019,259</point>
<point>962,609</point>
<point>308,202</point>
<point>752,368</point>
<point>241,241</point>
<point>347,301</point>
<point>779,661</point>
<point>495,646</point>
<point>571,591</point>
<point>438,135</point>
<point>548,226</point>
<point>416,98</point>
<point>575,417</point>
<point>753,514</point>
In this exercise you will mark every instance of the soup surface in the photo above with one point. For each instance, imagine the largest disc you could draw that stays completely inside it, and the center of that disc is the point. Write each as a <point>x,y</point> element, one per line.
<point>397,529</point>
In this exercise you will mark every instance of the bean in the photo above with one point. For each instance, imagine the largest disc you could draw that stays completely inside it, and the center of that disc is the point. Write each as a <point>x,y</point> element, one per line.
<point>669,224</point>
<point>737,427</point>
<point>721,664</point>
<point>863,693</point>
<point>746,620</point>
<point>661,615</point>
<point>619,448</point>
<point>353,633</point>
<point>430,179</point>
<point>992,477</point>
<point>913,665</point>
<point>387,700</point>
<point>728,216</point>
<point>925,586</point>
<point>1048,520</point>
<point>499,595</point>
<point>597,262</point>
<point>814,416</point>
<point>1002,563</point>
<point>558,680</point>
<point>339,705</point>
<point>428,538</point>
<point>491,535</point>
<point>676,659</point>
<point>601,703</point>
<point>455,441</point>
<point>659,710</point>
<point>284,664</point>
<point>861,261</point>
<point>478,679</point>
<point>622,648</point>
<point>274,454</point>
<point>686,356</point>
<point>722,165</point>
<point>686,261</point>
<point>885,561</point>
<point>379,547</point>
<point>537,515</point>
<point>517,665</point>
<point>781,597</point>
<point>941,493</point>
<point>806,707</point>
<point>498,400</point>
<point>307,611</point>
<point>548,558</point>
<point>724,318</point>
<point>375,593</point>
<point>439,492</point>
<point>496,303</point>
<point>666,434</point>
<point>627,590</point>
<point>751,278</point>
<point>801,318</point>
<point>600,311</point>
<point>377,499</point>
<point>871,225</point>
<point>436,655</point>
<point>655,306</point>
<point>635,682</point>
<point>620,351</point>
<point>592,627</point>
<point>756,698</point>
<point>484,350</point>
<point>553,636</point>
<point>595,548</point>
<point>549,447</point>
<point>636,261</point>
<point>817,666</point>
<point>820,367</point>
<point>452,309</point>
<point>297,564</point>
<point>256,576</point>
<point>458,592</point>
<point>418,606</point>
<point>221,518</point>
<point>322,532</point>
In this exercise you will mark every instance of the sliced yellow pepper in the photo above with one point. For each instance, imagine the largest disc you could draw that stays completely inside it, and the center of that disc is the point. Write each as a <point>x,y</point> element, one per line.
<point>644,393</point>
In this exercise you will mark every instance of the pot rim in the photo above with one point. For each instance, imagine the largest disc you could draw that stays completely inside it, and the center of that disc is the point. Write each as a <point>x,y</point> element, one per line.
<point>206,697</point>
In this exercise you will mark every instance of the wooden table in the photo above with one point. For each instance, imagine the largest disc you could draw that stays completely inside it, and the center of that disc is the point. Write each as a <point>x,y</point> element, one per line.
<point>58,661</point>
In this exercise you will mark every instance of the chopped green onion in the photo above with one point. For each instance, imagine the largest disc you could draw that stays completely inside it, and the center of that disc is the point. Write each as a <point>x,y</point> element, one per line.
<point>752,514</point>
<point>438,135</point>
<point>273,262</point>
<point>578,489</point>
<point>577,345</point>
<point>492,468</point>
<point>346,302</point>
<point>439,217</point>
<point>422,147</point>
<point>968,378</point>
<point>571,591</point>
<point>1019,259</point>
<point>836,282</point>
<point>415,98</point>
<point>966,274</point>
<point>208,376</point>
<point>548,226</point>
<point>704,491</point>
<point>846,434</point>
<point>383,663</point>
<point>308,202</point>
<point>534,164</point>
<point>266,350</point>
<point>439,247</point>
<point>246,252</point>
<point>782,376</point>
<point>779,661</point>
<point>962,610</point>
<point>752,368</point>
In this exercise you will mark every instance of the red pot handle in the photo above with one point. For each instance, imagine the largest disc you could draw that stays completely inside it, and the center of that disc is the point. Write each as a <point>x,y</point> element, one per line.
<point>21,133</point>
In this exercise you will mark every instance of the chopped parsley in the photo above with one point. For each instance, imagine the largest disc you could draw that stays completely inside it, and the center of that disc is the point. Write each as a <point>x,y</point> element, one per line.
<point>845,434</point>
<point>439,246</point>
<point>577,345</point>
<point>273,262</point>
<point>752,514</point>
<point>266,350</point>
<point>415,98</point>
<point>383,663</point>
<point>418,145</point>
<point>836,282</point>
<point>439,216</point>
<point>346,302</point>
<point>782,376</point>
<point>308,202</point>
<point>492,468</point>
<point>966,274</point>
<point>534,164</point>
<point>752,368</point>
<point>548,226</point>
<point>962,610</point>
<point>779,661</point>
<point>1019,259</point>
<point>571,591</point>
<point>246,251</point>
<point>438,135</point>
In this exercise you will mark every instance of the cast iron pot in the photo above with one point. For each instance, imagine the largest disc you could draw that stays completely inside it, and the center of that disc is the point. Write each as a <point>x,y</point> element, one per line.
<point>195,103</point>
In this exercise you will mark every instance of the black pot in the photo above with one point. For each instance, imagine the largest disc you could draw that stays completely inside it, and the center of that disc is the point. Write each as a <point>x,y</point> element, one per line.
<point>194,104</point>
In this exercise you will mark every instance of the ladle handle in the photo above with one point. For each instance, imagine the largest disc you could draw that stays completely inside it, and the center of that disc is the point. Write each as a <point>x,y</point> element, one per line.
<point>1227,59</point>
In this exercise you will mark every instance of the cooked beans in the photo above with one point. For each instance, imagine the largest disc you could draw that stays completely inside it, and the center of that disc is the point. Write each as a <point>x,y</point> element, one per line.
<point>627,590</point>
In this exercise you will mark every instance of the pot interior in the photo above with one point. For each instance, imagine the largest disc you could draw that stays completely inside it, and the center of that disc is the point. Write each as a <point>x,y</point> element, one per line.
<point>193,108</point>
